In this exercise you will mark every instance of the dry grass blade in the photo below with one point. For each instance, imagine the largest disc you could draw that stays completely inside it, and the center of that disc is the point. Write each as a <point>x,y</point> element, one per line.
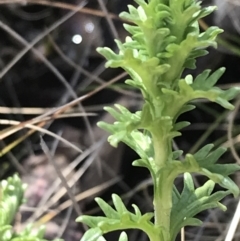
<point>29,46</point>
<point>53,113</point>
<point>230,129</point>
<point>16,142</point>
<point>182,234</point>
<point>233,226</point>
<point>108,18</point>
<point>91,76</point>
<point>38,111</point>
<point>42,130</point>
<point>67,172</point>
<point>60,175</point>
<point>60,5</point>
<point>62,191</point>
<point>79,197</point>
<point>41,56</point>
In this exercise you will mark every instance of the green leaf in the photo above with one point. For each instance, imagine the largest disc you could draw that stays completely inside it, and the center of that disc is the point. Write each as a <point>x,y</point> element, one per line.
<point>91,221</point>
<point>205,82</point>
<point>11,197</point>
<point>123,237</point>
<point>107,209</point>
<point>93,234</point>
<point>193,201</point>
<point>191,222</point>
<point>144,163</point>
<point>117,219</point>
<point>180,125</point>
<point>203,152</point>
<point>217,172</point>
<point>6,232</point>
<point>119,205</point>
<point>177,154</point>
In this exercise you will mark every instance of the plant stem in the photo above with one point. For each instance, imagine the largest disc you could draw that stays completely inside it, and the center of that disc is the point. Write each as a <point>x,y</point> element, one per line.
<point>160,151</point>
<point>162,206</point>
<point>163,186</point>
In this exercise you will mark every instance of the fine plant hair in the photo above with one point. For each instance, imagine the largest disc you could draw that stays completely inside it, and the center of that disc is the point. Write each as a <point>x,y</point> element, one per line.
<point>165,39</point>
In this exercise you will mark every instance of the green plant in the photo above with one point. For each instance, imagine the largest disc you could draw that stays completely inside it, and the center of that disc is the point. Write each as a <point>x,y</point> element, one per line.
<point>11,197</point>
<point>165,40</point>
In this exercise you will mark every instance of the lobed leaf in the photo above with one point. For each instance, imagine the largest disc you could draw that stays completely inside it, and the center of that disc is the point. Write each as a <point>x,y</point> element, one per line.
<point>193,201</point>
<point>116,219</point>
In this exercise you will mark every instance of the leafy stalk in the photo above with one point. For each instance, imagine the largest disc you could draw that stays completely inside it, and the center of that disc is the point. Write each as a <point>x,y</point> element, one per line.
<point>11,197</point>
<point>165,40</point>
